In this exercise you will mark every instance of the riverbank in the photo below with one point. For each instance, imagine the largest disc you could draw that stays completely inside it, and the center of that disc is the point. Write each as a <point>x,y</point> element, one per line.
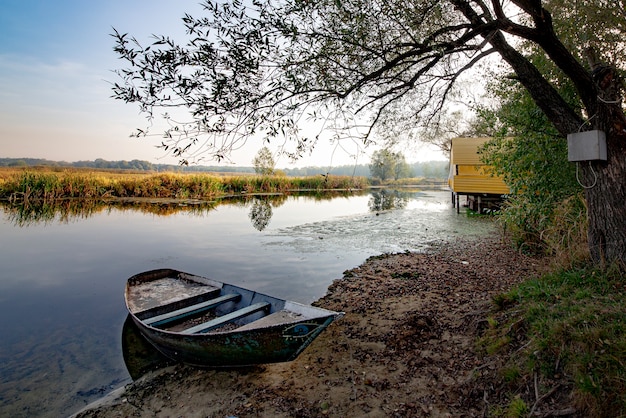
<point>406,347</point>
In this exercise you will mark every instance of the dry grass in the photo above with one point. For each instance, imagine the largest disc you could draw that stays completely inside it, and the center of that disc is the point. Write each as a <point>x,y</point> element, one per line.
<point>52,183</point>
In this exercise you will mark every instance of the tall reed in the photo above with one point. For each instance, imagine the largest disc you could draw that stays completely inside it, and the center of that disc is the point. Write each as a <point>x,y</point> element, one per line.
<point>50,185</point>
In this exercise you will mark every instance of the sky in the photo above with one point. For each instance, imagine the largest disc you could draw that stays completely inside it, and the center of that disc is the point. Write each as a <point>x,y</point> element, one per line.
<point>56,66</point>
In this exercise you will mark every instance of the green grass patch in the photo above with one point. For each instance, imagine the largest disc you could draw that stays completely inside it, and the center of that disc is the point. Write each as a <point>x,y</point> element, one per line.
<point>567,327</point>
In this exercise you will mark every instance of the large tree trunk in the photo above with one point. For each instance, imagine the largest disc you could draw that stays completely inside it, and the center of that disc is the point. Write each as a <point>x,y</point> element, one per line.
<point>605,182</point>
<point>606,206</point>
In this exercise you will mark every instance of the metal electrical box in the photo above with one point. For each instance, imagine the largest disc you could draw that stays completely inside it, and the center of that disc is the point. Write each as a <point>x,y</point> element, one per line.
<point>586,146</point>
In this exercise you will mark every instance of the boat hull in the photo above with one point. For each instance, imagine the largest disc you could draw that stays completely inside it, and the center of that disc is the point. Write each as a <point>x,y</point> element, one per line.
<point>271,345</point>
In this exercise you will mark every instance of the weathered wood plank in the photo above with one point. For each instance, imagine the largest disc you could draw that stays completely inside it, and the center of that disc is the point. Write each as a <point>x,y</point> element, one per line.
<point>222,320</point>
<point>277,318</point>
<point>196,309</point>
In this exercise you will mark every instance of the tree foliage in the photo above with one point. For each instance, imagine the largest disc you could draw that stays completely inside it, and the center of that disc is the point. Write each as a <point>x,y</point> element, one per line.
<point>263,162</point>
<point>382,69</point>
<point>527,150</point>
<point>386,164</point>
<point>262,68</point>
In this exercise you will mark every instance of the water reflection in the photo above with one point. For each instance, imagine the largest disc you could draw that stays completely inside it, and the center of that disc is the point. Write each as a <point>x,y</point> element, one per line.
<point>33,212</point>
<point>139,356</point>
<point>29,213</point>
<point>260,213</point>
<point>388,199</point>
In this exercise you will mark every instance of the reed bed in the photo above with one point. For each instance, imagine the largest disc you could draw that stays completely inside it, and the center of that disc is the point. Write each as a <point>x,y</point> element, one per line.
<point>16,185</point>
<point>282,184</point>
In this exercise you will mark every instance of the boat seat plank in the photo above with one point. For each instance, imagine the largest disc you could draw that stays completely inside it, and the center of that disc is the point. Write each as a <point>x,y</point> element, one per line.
<point>277,318</point>
<point>187,311</point>
<point>222,320</point>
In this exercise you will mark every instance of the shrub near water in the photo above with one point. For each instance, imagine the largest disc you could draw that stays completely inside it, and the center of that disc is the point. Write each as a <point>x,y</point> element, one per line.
<point>329,182</point>
<point>281,184</point>
<point>177,186</point>
<point>32,185</point>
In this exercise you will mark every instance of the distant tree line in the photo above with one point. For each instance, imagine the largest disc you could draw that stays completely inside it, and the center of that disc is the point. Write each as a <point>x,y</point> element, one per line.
<point>429,169</point>
<point>98,163</point>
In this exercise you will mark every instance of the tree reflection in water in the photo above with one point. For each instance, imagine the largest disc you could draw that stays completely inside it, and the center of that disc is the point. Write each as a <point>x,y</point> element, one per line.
<point>33,212</point>
<point>388,199</point>
<point>260,213</point>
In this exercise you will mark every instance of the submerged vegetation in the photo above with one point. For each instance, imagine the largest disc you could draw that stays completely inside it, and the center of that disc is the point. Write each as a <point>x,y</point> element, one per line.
<point>48,185</point>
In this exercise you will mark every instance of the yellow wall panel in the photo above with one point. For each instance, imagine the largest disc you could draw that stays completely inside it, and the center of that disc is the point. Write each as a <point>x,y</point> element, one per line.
<point>468,174</point>
<point>465,151</point>
<point>479,185</point>
<point>469,170</point>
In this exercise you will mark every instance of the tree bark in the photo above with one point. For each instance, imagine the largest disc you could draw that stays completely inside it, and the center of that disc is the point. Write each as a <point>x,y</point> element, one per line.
<point>605,182</point>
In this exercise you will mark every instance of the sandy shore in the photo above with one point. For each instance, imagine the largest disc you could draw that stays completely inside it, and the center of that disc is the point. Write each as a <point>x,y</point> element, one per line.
<point>405,348</point>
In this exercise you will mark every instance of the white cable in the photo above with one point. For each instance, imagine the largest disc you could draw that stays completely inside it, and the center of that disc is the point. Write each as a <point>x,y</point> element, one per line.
<point>595,177</point>
<point>609,101</point>
<point>588,121</point>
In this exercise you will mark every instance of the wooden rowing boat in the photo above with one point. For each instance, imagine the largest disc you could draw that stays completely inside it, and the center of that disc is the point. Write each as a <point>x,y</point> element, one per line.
<point>207,323</point>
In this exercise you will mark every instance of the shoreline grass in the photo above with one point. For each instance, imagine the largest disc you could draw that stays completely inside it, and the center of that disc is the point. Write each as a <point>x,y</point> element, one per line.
<point>565,331</point>
<point>41,184</point>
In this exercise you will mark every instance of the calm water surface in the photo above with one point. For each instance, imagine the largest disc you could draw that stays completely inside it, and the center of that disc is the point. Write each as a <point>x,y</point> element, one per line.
<point>62,279</point>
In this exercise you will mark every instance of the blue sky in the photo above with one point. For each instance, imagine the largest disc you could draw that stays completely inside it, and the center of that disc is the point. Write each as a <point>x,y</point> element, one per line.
<point>56,59</point>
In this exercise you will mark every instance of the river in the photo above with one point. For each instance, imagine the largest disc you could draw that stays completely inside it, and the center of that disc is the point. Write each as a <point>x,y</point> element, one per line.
<point>64,270</point>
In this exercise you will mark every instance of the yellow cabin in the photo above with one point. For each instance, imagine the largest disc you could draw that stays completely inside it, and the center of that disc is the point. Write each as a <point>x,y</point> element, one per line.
<point>470,177</point>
